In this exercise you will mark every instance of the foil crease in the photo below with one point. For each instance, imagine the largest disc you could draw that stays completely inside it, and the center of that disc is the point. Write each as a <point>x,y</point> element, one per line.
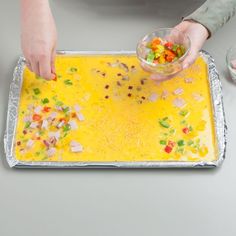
<point>12,116</point>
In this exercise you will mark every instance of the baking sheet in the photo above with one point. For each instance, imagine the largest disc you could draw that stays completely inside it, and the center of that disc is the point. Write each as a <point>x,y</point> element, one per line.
<point>12,113</point>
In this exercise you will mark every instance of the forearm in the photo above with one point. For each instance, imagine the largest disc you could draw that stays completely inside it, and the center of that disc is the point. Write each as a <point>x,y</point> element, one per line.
<point>38,37</point>
<point>39,10</point>
<point>214,14</point>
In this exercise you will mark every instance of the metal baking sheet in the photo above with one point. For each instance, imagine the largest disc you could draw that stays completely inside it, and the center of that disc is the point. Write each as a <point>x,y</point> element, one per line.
<point>12,116</point>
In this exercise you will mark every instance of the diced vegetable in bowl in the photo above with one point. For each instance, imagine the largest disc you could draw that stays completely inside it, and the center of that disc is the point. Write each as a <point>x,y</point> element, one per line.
<point>163,52</point>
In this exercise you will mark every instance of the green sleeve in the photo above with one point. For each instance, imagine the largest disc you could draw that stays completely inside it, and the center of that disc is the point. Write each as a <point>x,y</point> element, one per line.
<point>213,14</point>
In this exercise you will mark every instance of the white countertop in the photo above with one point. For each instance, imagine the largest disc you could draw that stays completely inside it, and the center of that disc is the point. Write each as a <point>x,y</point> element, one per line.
<point>116,202</point>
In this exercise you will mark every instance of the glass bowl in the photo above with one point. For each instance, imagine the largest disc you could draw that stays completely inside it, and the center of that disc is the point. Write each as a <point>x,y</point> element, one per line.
<point>169,69</point>
<point>231,62</point>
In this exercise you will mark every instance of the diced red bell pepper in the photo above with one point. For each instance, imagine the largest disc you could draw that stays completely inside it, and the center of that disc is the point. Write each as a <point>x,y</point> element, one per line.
<point>169,45</point>
<point>46,109</point>
<point>168,149</point>
<point>170,53</point>
<point>155,42</point>
<point>170,58</point>
<point>36,117</point>
<point>185,130</point>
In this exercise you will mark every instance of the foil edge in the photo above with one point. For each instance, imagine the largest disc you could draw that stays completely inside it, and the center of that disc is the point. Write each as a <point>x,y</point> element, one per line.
<point>221,128</point>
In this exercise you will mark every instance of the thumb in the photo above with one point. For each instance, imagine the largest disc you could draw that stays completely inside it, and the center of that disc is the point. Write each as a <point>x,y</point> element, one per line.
<point>191,57</point>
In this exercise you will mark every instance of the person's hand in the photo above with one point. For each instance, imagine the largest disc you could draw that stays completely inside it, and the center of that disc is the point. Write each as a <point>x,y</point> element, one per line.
<point>198,34</point>
<point>38,37</point>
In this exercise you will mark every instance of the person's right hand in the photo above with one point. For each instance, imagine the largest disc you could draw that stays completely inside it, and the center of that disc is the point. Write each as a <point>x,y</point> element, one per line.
<point>38,37</point>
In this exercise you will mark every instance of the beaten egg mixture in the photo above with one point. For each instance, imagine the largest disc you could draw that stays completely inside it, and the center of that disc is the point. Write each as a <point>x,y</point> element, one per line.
<point>104,108</point>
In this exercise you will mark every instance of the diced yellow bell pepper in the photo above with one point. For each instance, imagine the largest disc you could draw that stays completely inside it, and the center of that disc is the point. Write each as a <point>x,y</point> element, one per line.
<point>203,151</point>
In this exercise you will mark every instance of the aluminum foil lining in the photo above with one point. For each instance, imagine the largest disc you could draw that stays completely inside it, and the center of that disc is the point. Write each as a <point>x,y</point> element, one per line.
<point>12,116</point>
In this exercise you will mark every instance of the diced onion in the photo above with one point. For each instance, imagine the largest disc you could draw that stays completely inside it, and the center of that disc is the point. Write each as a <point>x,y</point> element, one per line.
<point>188,80</point>
<point>77,108</point>
<point>75,146</point>
<point>80,116</point>
<point>33,125</point>
<point>30,143</point>
<point>73,125</point>
<point>153,97</point>
<point>37,110</point>
<point>55,135</point>
<point>178,91</point>
<point>44,124</point>
<point>51,151</point>
<point>179,102</point>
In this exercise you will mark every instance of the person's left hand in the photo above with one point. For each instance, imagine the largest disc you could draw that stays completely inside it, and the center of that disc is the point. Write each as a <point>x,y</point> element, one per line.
<point>198,34</point>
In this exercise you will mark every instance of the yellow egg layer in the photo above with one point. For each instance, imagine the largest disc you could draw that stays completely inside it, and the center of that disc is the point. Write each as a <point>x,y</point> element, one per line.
<point>108,108</point>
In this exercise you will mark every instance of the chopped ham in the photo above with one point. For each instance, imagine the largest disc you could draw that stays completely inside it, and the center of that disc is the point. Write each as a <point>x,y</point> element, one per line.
<point>198,97</point>
<point>77,149</point>
<point>77,108</point>
<point>34,125</point>
<point>37,110</point>
<point>30,143</point>
<point>153,97</point>
<point>53,115</point>
<point>51,151</point>
<point>73,125</point>
<point>44,124</point>
<point>80,116</point>
<point>188,80</point>
<point>27,119</point>
<point>56,135</point>
<point>179,102</point>
<point>75,146</point>
<point>178,91</point>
